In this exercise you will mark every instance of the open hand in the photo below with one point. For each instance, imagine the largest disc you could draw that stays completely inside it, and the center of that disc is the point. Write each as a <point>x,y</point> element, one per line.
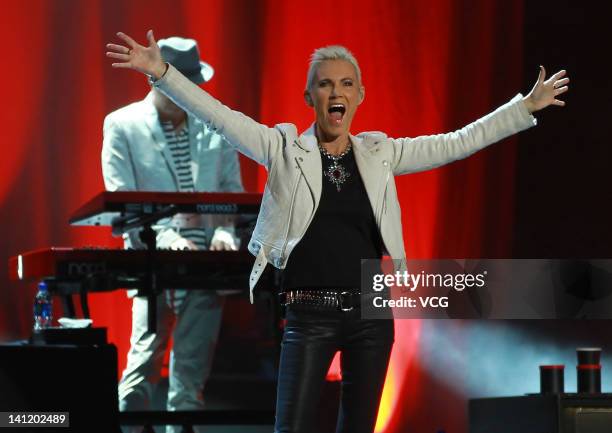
<point>221,245</point>
<point>544,93</point>
<point>222,241</point>
<point>182,244</point>
<point>147,60</point>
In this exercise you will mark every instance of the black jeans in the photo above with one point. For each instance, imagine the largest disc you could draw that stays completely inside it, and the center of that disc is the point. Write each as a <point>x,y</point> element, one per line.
<point>309,344</point>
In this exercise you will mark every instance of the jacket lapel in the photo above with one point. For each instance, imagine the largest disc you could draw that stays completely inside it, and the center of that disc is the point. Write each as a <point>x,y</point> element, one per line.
<point>371,168</point>
<point>310,162</point>
<point>196,135</point>
<point>159,139</point>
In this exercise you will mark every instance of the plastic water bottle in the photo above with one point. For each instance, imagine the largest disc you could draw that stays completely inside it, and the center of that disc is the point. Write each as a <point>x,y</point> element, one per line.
<point>43,307</point>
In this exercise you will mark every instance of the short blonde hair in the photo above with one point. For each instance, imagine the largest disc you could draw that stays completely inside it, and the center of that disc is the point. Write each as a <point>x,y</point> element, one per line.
<point>331,52</point>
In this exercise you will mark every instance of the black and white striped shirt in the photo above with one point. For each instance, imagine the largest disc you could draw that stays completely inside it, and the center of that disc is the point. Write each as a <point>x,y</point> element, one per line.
<point>178,144</point>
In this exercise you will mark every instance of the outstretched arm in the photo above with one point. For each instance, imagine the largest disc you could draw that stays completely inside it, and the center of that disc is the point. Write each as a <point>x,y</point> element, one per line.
<point>253,139</point>
<point>426,152</point>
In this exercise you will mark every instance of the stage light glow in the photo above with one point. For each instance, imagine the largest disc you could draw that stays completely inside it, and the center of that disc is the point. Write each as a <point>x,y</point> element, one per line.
<point>388,400</point>
<point>20,267</point>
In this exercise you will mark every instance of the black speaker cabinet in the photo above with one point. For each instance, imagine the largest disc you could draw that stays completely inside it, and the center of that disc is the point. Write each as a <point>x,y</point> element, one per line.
<point>81,380</point>
<point>536,413</point>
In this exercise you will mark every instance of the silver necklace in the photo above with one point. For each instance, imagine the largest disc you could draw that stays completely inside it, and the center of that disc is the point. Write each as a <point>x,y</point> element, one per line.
<point>336,173</point>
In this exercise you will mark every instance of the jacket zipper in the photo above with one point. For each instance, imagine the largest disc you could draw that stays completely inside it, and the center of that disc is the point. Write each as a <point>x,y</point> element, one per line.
<point>383,205</point>
<point>311,215</point>
<point>296,182</point>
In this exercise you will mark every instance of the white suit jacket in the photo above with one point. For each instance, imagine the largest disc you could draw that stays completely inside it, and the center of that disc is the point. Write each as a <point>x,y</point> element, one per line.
<point>135,156</point>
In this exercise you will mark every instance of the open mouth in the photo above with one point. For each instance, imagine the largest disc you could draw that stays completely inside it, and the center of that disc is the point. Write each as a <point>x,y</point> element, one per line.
<point>336,113</point>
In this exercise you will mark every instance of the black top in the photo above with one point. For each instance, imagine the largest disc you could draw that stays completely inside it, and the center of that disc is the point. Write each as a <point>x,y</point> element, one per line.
<point>342,232</point>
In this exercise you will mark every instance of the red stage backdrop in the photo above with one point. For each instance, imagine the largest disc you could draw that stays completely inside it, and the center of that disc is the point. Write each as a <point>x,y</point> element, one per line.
<point>428,67</point>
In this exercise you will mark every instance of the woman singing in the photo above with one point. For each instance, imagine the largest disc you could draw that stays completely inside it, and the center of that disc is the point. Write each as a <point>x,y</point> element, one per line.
<point>330,201</point>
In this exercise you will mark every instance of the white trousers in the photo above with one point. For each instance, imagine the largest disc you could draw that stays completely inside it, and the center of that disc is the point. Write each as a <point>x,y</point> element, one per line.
<point>193,319</point>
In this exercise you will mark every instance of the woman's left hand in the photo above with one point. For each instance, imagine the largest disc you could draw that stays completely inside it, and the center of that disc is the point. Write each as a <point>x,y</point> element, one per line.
<point>544,93</point>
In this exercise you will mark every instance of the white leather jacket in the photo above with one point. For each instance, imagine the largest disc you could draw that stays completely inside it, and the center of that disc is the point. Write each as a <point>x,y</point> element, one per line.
<point>293,162</point>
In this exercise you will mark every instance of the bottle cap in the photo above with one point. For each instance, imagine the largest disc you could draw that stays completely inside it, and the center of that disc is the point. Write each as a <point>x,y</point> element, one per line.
<point>42,286</point>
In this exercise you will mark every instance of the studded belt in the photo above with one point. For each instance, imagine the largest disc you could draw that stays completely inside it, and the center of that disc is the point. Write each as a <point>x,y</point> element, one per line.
<point>326,299</point>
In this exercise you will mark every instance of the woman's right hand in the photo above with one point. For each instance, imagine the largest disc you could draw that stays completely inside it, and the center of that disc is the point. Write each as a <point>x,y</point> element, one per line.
<point>147,60</point>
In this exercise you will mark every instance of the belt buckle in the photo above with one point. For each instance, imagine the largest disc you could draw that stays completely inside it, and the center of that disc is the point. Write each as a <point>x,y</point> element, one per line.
<point>282,298</point>
<point>342,298</point>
